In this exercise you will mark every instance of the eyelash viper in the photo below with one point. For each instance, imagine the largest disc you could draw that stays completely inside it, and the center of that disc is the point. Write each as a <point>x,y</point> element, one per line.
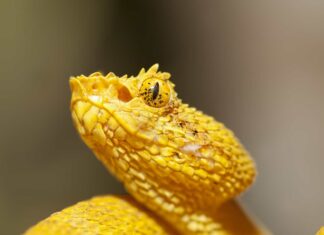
<point>181,167</point>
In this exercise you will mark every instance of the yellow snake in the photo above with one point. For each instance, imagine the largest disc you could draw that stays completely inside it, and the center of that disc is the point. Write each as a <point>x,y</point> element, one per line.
<point>181,167</point>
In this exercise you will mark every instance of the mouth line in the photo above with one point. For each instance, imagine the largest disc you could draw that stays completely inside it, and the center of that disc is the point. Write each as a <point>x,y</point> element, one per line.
<point>98,102</point>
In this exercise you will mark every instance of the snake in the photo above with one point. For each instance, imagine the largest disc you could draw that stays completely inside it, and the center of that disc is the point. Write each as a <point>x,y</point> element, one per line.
<point>182,169</point>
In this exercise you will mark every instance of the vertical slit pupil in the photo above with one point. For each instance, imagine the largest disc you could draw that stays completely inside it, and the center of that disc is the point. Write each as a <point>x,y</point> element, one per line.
<point>156,89</point>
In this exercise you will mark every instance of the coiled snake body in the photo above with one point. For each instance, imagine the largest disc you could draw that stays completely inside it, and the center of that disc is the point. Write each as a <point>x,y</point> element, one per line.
<point>182,167</point>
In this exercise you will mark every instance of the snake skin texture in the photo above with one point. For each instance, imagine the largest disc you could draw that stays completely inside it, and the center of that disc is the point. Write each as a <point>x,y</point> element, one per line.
<point>182,168</point>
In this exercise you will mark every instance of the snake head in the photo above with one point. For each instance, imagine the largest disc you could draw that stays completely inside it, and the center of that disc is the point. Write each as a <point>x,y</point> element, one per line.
<point>161,149</point>
<point>135,103</point>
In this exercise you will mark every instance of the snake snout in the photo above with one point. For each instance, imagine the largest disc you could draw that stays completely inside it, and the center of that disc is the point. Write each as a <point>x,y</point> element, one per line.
<point>108,89</point>
<point>76,86</point>
<point>89,85</point>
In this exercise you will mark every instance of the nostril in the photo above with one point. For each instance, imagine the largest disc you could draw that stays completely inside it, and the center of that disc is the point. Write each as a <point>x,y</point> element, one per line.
<point>124,94</point>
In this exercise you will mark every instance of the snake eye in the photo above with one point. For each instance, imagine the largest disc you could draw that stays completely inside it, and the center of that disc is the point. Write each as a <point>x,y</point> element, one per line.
<point>155,92</point>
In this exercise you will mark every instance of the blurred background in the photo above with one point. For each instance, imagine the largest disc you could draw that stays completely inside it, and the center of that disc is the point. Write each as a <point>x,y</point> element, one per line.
<point>255,65</point>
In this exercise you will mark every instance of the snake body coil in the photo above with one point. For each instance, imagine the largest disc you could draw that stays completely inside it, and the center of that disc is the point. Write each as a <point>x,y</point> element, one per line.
<point>181,166</point>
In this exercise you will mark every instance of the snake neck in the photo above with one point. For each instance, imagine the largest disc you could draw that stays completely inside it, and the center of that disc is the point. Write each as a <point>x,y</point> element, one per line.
<point>190,207</point>
<point>183,207</point>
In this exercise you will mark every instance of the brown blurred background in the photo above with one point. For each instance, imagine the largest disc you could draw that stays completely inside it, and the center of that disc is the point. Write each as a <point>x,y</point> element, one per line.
<point>255,65</point>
